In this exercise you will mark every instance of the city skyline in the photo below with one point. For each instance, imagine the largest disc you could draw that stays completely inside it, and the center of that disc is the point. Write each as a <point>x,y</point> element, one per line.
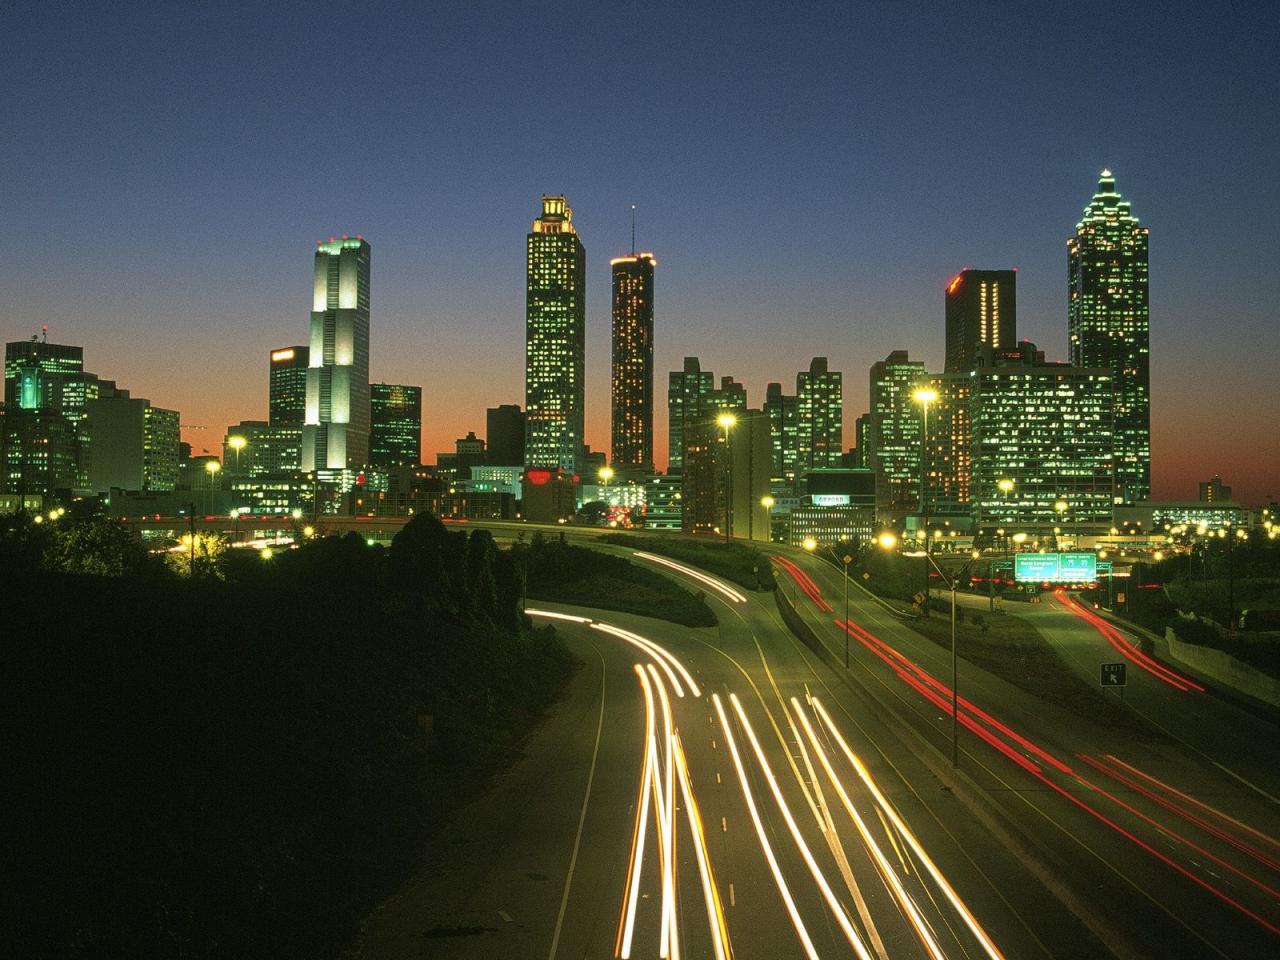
<point>882,222</point>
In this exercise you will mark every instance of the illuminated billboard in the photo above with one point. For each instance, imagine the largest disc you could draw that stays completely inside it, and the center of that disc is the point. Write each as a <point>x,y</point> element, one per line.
<point>1055,567</point>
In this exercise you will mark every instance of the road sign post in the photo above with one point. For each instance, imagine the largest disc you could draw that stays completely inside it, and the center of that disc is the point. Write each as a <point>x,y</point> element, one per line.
<point>1113,675</point>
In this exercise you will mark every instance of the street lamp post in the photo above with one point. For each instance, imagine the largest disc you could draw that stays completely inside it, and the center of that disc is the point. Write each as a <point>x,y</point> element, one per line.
<point>727,420</point>
<point>767,502</point>
<point>845,560</point>
<point>237,444</point>
<point>606,474</point>
<point>925,396</point>
<point>213,466</point>
<point>1060,507</point>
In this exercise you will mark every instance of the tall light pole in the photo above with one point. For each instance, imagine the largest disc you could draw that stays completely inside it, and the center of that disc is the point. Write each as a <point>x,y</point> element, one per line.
<point>606,474</point>
<point>727,420</point>
<point>237,444</point>
<point>1060,507</point>
<point>767,502</point>
<point>888,540</point>
<point>845,560</point>
<point>213,466</point>
<point>925,396</point>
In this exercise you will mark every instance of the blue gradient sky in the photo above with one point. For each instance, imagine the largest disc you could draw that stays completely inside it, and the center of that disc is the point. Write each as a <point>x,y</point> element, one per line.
<point>808,181</point>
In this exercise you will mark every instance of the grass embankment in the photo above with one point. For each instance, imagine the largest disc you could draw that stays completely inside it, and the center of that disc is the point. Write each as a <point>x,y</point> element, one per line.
<point>1005,646</point>
<point>742,564</point>
<point>563,573</point>
<point>242,762</point>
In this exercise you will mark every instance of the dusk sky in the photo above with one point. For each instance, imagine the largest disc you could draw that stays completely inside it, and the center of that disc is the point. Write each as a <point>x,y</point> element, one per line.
<point>808,182</point>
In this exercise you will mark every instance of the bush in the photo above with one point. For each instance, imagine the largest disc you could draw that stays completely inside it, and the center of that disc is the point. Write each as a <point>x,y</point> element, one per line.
<point>735,561</point>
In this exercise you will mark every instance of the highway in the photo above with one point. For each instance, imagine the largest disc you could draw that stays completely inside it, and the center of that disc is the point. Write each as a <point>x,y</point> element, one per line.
<point>719,793</point>
<point>1155,840</point>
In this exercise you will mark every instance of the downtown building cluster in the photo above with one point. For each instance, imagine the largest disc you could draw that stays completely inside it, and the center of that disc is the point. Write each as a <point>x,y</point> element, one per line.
<point>1000,438</point>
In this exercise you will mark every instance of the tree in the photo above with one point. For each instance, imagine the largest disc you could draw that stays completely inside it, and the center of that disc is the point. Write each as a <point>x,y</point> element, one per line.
<point>96,546</point>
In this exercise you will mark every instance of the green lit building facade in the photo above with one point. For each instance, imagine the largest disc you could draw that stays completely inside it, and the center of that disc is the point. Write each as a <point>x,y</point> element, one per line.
<point>395,439</point>
<point>631,387</point>
<point>555,339</point>
<point>1048,428</point>
<point>336,423</point>
<point>1108,324</point>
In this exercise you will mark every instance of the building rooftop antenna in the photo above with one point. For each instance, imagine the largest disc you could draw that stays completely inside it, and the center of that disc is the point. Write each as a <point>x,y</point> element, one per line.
<point>633,229</point>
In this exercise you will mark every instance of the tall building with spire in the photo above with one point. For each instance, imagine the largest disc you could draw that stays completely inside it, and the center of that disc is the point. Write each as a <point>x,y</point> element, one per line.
<point>555,339</point>
<point>631,387</point>
<point>1108,324</point>
<point>335,432</point>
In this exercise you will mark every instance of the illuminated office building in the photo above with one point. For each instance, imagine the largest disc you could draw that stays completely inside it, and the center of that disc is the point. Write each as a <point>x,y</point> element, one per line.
<point>686,389</point>
<point>1048,428</point>
<point>631,444</point>
<point>287,393</point>
<point>895,424</point>
<point>335,433</point>
<point>555,339</point>
<point>819,416</point>
<point>1108,324</point>
<point>505,429</point>
<point>395,432</point>
<point>947,448</point>
<point>981,308</point>
<point>135,445</point>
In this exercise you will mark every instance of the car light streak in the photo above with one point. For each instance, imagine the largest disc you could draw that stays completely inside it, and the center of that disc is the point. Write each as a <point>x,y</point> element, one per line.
<point>669,663</point>
<point>718,585</point>
<point>1275,895</point>
<point>1127,649</point>
<point>864,775</point>
<point>836,907</point>
<point>778,880</point>
<point>880,648</point>
<point>627,920</point>
<point>667,816</point>
<point>805,582</point>
<point>710,893</point>
<point>1208,808</point>
<point>882,862</point>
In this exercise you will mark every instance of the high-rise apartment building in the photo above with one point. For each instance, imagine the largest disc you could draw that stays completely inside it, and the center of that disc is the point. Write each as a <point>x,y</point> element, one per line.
<point>505,430</point>
<point>395,425</point>
<point>1108,324</point>
<point>631,446</point>
<point>819,416</point>
<point>555,339</point>
<point>1214,490</point>
<point>1048,428</point>
<point>287,393</point>
<point>947,446</point>
<point>981,308</point>
<point>726,474</point>
<point>782,413</point>
<point>896,423</point>
<point>335,433</point>
<point>864,441</point>
<point>686,389</point>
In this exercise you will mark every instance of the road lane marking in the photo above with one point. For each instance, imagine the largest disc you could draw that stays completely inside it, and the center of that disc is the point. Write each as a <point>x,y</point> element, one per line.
<point>1251,786</point>
<point>733,897</point>
<point>582,816</point>
<point>724,825</point>
<point>506,917</point>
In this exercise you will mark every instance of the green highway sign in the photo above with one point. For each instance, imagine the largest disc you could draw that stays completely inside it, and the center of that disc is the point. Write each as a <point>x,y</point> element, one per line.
<point>1055,567</point>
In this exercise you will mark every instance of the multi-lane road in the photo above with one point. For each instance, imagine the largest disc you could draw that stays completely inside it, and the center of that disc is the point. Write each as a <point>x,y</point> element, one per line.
<point>732,792</point>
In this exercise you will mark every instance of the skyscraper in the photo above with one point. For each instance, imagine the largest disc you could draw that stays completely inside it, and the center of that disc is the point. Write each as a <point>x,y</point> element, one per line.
<point>631,444</point>
<point>505,429</point>
<point>1046,427</point>
<point>819,415</point>
<point>982,307</point>
<point>555,338</point>
<point>685,390</point>
<point>395,425</point>
<point>335,433</point>
<point>780,410</point>
<point>1108,324</point>
<point>135,444</point>
<point>896,425</point>
<point>287,394</point>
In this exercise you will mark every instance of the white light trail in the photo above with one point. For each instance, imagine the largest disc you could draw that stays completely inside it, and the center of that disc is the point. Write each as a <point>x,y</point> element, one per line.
<point>717,585</point>
<point>670,946</point>
<point>710,895</point>
<point>787,900</point>
<point>666,660</point>
<point>966,915</point>
<point>632,892</point>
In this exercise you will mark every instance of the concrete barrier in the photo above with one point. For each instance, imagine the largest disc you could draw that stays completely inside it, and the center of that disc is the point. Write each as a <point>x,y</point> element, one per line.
<point>1224,668</point>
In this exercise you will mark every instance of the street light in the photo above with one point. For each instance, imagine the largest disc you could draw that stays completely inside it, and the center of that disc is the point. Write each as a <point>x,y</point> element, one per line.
<point>213,466</point>
<point>925,396</point>
<point>887,541</point>
<point>845,560</point>
<point>237,444</point>
<point>727,420</point>
<point>809,544</point>
<point>1060,506</point>
<point>767,502</point>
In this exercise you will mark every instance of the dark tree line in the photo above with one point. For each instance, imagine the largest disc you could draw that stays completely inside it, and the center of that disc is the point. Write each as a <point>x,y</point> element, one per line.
<point>242,765</point>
